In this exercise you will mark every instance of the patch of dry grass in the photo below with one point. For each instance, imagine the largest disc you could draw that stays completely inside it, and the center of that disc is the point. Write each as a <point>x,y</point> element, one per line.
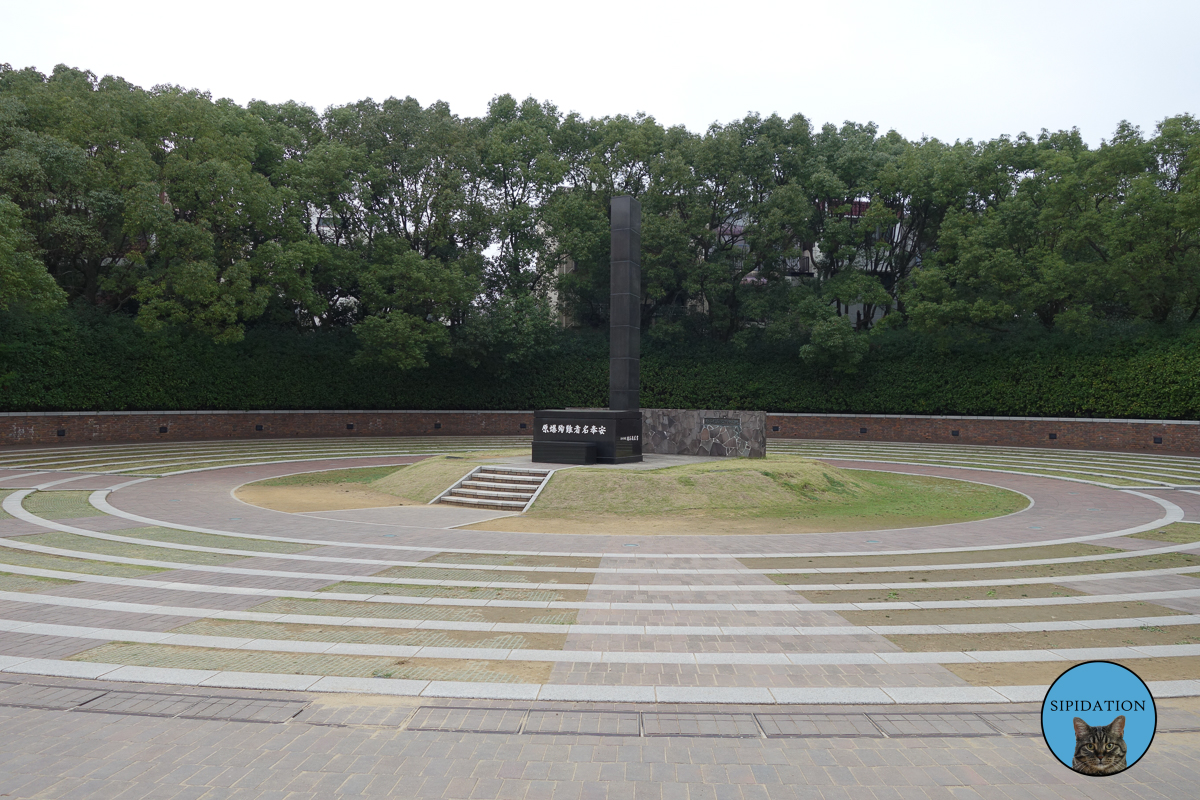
<point>425,480</point>
<point>1178,533</point>
<point>367,487</point>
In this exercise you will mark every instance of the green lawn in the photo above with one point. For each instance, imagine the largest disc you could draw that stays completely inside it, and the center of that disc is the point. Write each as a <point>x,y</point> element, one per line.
<point>779,493</point>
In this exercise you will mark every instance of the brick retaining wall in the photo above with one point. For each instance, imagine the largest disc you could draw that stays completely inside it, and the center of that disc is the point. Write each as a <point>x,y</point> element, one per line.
<point>1178,436</point>
<point>147,426</point>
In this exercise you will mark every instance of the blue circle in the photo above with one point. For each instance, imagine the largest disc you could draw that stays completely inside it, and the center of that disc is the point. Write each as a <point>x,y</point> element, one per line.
<point>1098,692</point>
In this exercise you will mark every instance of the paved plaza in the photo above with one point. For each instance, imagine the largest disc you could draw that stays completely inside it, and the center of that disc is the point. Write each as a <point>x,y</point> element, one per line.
<point>160,638</point>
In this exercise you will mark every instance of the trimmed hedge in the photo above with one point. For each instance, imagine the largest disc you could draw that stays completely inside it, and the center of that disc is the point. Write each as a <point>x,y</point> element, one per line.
<point>69,363</point>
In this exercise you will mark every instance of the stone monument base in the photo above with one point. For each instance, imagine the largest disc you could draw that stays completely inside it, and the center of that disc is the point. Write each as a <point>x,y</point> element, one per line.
<point>579,435</point>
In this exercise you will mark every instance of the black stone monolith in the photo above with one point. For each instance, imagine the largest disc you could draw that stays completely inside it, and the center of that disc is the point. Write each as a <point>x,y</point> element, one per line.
<point>612,435</point>
<point>625,309</point>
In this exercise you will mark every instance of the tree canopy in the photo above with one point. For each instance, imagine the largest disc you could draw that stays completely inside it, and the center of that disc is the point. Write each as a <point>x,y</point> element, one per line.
<point>429,235</point>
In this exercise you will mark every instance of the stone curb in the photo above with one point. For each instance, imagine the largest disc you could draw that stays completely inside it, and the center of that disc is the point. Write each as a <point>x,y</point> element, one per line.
<point>898,696</point>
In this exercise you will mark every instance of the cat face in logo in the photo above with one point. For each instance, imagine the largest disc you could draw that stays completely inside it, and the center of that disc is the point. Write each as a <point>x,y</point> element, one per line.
<point>1099,750</point>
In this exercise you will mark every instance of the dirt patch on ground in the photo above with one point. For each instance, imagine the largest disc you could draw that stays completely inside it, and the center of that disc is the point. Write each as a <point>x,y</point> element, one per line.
<point>918,594</point>
<point>322,497</point>
<point>1043,673</point>
<point>964,616</point>
<point>921,559</point>
<point>1059,571</point>
<point>1049,640</point>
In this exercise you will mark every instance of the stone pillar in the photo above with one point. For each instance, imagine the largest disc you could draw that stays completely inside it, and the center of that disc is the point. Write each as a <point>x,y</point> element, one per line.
<point>625,305</point>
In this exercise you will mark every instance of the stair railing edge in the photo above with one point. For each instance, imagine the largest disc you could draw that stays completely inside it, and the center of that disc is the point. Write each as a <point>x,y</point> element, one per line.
<point>455,485</point>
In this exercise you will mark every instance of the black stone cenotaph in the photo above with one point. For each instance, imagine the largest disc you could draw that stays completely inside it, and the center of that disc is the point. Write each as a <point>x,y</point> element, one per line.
<point>596,435</point>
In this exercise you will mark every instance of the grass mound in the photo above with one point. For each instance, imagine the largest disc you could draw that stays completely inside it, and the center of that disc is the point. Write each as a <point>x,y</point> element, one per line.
<point>778,494</point>
<point>775,486</point>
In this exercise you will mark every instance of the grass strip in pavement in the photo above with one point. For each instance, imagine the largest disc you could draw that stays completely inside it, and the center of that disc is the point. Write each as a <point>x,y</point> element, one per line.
<point>1060,571</point>
<point>918,594</point>
<point>519,561</point>
<point>921,559</point>
<point>1044,673</point>
<point>3,494</point>
<point>485,576</point>
<point>429,669</point>
<point>1086,477</point>
<point>60,505</point>
<point>105,547</point>
<point>29,583</point>
<point>160,467</point>
<point>27,558</point>
<point>355,475</point>
<point>191,538</point>
<point>458,592</point>
<point>352,608</point>
<point>1054,459</point>
<point>305,632</point>
<point>963,616</point>
<point>1179,533</point>
<point>1048,640</point>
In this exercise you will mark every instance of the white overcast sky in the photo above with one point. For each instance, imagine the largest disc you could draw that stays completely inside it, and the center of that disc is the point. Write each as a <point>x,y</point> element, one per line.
<point>954,70</point>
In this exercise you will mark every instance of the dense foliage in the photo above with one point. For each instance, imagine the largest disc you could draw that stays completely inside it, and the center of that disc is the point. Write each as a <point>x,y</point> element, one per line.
<point>101,361</point>
<point>159,249</point>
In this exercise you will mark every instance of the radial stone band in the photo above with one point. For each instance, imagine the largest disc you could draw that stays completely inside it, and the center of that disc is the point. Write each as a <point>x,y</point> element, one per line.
<point>613,436</point>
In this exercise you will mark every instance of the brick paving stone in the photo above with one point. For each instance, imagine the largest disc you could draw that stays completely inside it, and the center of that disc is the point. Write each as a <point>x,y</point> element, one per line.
<point>600,723</point>
<point>1021,724</point>
<point>823,725</point>
<point>473,720</point>
<point>33,695</point>
<point>932,725</point>
<point>666,724</point>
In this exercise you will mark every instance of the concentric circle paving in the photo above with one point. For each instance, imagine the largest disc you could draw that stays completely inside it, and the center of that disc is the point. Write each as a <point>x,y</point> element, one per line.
<point>136,563</point>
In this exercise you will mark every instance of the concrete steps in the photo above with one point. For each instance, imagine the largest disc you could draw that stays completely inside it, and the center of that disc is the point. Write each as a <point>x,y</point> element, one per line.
<point>498,487</point>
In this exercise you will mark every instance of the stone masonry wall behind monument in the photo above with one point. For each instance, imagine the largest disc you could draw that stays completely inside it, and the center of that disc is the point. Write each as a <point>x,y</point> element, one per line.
<point>704,432</point>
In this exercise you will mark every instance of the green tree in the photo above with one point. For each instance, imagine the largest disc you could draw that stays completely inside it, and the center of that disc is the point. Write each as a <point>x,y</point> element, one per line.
<point>23,277</point>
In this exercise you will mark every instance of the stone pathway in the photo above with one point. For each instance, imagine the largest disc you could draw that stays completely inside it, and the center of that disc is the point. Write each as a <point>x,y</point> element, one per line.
<point>159,638</point>
<point>64,738</point>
